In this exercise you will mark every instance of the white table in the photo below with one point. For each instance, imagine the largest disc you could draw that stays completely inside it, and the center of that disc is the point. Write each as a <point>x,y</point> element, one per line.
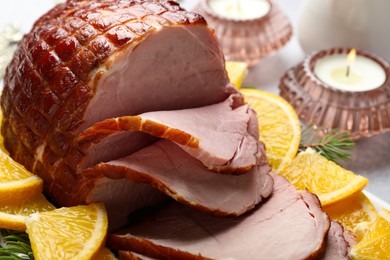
<point>371,157</point>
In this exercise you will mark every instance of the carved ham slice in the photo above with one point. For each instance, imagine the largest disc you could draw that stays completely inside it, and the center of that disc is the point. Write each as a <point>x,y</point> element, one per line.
<point>219,135</point>
<point>338,243</point>
<point>86,61</point>
<point>170,169</point>
<point>290,225</point>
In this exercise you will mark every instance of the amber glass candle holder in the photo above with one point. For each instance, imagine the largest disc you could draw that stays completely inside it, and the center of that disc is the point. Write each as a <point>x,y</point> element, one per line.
<point>362,113</point>
<point>249,40</point>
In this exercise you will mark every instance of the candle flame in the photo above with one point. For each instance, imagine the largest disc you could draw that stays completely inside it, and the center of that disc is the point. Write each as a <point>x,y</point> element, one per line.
<point>351,57</point>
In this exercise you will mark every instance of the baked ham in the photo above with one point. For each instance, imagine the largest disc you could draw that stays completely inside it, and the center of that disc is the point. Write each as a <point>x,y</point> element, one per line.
<point>290,225</point>
<point>221,136</point>
<point>87,61</point>
<point>89,65</point>
<point>168,168</point>
<point>338,243</point>
<point>127,101</point>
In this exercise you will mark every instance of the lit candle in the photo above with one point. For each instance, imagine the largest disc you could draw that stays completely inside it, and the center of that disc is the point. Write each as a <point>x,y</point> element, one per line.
<point>350,72</point>
<point>240,9</point>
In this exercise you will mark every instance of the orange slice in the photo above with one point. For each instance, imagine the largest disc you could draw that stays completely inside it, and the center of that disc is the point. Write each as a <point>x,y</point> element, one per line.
<point>278,126</point>
<point>355,213</point>
<point>16,183</point>
<point>237,72</point>
<point>68,233</point>
<point>329,181</point>
<point>375,243</point>
<point>104,254</point>
<point>13,215</point>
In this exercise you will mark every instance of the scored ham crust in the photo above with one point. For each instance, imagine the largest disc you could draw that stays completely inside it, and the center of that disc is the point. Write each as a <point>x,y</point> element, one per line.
<point>87,61</point>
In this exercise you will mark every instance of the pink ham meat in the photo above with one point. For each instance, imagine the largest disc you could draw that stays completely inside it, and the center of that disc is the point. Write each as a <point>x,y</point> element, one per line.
<point>168,168</point>
<point>217,135</point>
<point>87,61</point>
<point>338,243</point>
<point>290,225</point>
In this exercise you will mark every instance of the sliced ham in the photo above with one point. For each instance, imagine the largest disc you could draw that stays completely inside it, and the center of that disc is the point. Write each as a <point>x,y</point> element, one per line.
<point>87,61</point>
<point>290,225</point>
<point>219,135</point>
<point>338,243</point>
<point>113,146</point>
<point>168,168</point>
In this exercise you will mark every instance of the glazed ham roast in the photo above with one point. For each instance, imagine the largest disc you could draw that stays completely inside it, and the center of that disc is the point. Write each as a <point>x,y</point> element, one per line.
<point>95,82</point>
<point>128,101</point>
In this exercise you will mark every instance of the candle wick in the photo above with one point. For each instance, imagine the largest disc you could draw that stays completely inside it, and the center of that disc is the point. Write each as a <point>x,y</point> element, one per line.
<point>348,71</point>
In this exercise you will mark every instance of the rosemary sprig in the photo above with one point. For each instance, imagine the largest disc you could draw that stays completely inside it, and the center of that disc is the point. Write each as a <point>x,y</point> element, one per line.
<point>15,245</point>
<point>335,145</point>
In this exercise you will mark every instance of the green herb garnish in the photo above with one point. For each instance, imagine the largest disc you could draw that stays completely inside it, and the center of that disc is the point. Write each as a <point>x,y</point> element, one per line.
<point>15,245</point>
<point>335,145</point>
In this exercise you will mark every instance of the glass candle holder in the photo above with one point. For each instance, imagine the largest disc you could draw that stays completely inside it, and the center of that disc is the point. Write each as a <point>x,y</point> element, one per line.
<point>251,39</point>
<point>364,112</point>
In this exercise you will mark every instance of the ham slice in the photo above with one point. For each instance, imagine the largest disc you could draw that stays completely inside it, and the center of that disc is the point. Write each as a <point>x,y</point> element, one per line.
<point>87,61</point>
<point>171,170</point>
<point>290,225</point>
<point>218,135</point>
<point>338,243</point>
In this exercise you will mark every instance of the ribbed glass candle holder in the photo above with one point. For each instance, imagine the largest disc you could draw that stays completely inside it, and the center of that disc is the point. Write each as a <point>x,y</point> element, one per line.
<point>362,113</point>
<point>249,40</point>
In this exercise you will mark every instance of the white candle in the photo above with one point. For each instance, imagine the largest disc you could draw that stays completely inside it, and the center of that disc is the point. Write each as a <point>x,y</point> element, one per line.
<point>364,73</point>
<point>240,9</point>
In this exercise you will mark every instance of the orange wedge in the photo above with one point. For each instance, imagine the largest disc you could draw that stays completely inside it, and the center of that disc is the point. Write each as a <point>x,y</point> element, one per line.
<point>375,243</point>
<point>16,183</point>
<point>68,233</point>
<point>355,213</point>
<point>329,181</point>
<point>104,254</point>
<point>13,215</point>
<point>278,126</point>
<point>237,72</point>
